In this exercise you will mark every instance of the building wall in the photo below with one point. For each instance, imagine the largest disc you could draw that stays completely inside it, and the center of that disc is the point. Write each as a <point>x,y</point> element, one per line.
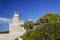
<point>16,19</point>
<point>13,28</point>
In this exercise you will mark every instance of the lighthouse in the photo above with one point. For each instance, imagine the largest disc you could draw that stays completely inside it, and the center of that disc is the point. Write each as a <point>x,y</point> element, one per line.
<point>15,25</point>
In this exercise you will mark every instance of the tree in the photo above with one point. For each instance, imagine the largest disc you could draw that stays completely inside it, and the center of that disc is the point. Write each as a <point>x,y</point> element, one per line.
<point>50,17</point>
<point>28,24</point>
<point>49,30</point>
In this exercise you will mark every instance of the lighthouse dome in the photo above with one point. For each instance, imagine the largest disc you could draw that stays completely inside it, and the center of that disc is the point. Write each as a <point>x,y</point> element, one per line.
<point>16,13</point>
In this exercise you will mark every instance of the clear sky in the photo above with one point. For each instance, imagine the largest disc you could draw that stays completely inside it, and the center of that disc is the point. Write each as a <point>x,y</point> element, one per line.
<point>27,9</point>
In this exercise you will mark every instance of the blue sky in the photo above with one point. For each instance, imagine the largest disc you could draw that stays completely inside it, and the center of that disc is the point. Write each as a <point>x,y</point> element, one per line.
<point>27,9</point>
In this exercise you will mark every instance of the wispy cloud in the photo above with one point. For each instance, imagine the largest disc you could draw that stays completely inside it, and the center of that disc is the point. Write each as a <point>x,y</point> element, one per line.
<point>5,20</point>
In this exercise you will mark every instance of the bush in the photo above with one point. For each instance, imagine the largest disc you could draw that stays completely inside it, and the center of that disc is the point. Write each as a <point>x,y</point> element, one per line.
<point>47,32</point>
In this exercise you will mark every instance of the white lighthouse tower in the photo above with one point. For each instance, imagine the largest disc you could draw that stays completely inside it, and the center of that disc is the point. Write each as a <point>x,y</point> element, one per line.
<point>15,29</point>
<point>15,26</point>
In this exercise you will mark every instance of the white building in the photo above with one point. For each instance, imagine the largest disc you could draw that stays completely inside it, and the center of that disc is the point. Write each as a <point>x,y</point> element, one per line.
<point>15,26</point>
<point>15,29</point>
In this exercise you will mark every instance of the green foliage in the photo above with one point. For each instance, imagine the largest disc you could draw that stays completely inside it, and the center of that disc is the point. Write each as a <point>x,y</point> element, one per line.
<point>51,17</point>
<point>48,31</point>
<point>28,24</point>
